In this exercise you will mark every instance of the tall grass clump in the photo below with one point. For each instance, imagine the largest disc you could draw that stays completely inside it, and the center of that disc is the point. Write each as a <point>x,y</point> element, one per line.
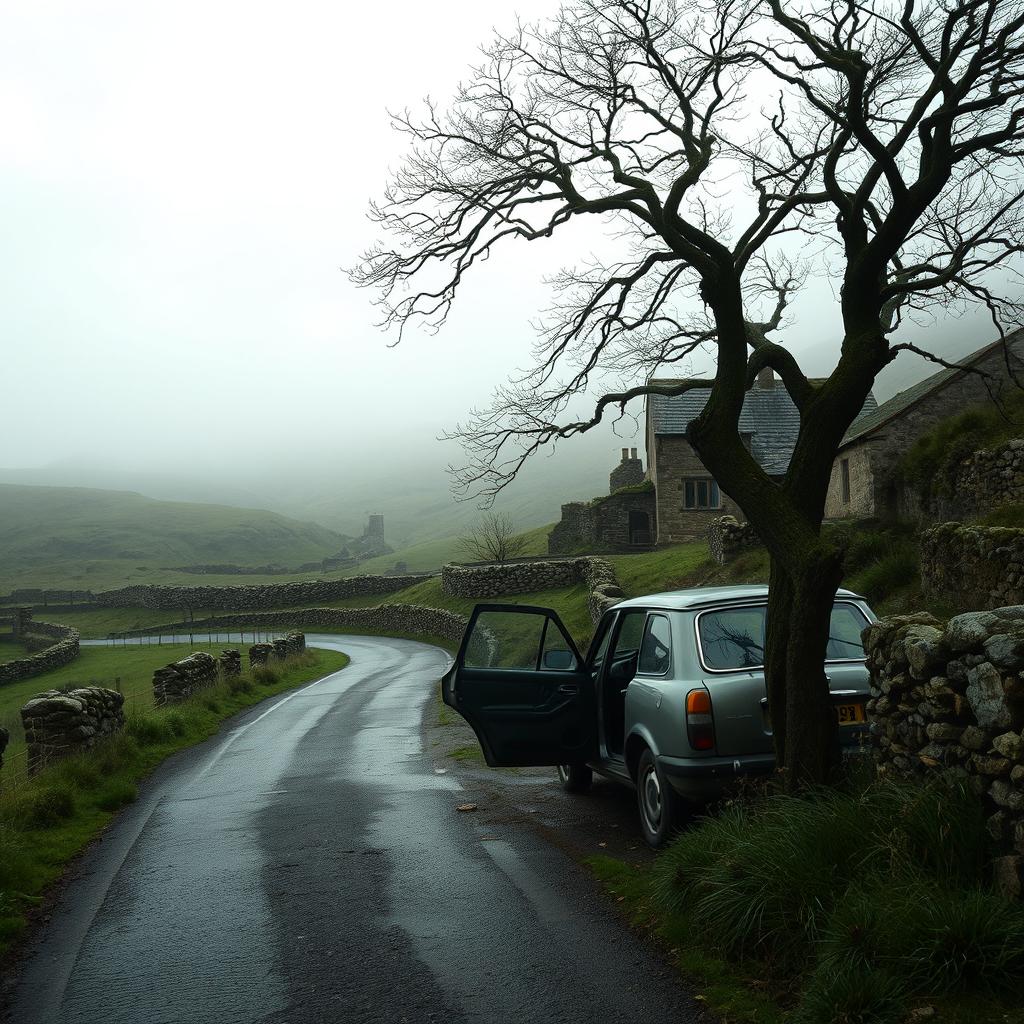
<point>865,897</point>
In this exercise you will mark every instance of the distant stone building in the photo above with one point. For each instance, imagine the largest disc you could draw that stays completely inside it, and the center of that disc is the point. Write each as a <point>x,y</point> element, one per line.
<point>866,480</point>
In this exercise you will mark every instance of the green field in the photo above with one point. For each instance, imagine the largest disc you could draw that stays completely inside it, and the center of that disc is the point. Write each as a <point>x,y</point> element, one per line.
<point>128,669</point>
<point>77,537</point>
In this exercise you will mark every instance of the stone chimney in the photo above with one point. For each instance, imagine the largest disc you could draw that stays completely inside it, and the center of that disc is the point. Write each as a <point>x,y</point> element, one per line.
<point>628,472</point>
<point>766,379</point>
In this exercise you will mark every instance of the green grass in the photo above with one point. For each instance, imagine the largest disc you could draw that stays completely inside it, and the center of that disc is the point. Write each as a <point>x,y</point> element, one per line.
<point>47,820</point>
<point>11,649</point>
<point>859,901</point>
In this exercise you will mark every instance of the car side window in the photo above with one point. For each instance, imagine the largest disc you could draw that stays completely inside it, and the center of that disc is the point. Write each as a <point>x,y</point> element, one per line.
<point>656,648</point>
<point>845,626</point>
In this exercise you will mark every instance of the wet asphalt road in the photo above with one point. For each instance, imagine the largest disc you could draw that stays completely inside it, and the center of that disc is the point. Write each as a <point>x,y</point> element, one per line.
<point>308,864</point>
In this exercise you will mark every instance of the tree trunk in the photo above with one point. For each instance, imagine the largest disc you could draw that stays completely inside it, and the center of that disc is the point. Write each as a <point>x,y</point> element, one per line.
<point>811,732</point>
<point>776,637</point>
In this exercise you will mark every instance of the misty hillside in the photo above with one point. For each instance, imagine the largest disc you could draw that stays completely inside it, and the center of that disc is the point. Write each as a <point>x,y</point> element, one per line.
<point>45,526</point>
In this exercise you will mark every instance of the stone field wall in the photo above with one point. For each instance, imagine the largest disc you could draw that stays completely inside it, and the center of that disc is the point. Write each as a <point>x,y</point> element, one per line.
<point>416,620</point>
<point>55,655</point>
<point>480,582</point>
<point>62,722</point>
<point>727,538</point>
<point>948,698</point>
<point>258,597</point>
<point>973,566</point>
<point>178,681</point>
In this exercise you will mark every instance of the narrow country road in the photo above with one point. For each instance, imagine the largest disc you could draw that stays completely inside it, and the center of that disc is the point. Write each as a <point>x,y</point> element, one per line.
<point>308,864</point>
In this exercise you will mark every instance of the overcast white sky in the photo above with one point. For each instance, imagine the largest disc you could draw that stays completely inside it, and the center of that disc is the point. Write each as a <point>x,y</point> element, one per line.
<point>179,185</point>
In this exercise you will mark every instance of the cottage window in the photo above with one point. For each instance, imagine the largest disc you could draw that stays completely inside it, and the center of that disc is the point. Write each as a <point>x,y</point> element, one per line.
<point>844,473</point>
<point>701,492</point>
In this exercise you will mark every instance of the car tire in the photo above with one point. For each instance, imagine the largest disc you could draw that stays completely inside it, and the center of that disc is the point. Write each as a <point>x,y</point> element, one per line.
<point>662,810</point>
<point>575,778</point>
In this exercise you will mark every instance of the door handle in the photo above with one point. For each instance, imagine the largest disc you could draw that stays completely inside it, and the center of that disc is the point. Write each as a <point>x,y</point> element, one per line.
<point>568,688</point>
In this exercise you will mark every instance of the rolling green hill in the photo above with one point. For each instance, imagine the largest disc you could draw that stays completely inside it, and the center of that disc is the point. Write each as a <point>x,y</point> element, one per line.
<point>91,539</point>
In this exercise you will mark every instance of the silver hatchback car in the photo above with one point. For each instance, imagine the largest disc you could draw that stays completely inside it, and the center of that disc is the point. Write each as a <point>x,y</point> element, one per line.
<point>670,699</point>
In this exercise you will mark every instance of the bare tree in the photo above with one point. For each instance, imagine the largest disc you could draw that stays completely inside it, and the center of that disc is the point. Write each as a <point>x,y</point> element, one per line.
<point>493,539</point>
<point>735,147</point>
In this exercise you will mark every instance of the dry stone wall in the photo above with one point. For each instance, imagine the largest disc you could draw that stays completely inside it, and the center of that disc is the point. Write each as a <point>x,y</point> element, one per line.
<point>62,722</point>
<point>258,597</point>
<point>973,566</point>
<point>727,537</point>
<point>409,619</point>
<point>178,681</point>
<point>54,655</point>
<point>983,481</point>
<point>480,582</point>
<point>949,698</point>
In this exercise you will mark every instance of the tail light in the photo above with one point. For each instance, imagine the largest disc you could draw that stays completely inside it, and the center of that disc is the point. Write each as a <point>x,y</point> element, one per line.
<point>700,724</point>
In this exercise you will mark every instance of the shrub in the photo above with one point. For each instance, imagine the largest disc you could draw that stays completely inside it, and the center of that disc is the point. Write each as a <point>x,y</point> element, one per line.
<point>265,675</point>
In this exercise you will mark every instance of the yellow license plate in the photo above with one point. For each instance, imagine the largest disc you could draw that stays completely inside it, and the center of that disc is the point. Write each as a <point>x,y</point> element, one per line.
<point>850,714</point>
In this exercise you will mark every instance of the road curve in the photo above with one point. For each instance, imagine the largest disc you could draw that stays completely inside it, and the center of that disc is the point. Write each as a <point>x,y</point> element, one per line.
<point>308,864</point>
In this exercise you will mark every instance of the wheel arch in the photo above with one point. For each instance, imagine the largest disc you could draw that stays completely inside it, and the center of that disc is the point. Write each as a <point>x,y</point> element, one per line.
<point>637,741</point>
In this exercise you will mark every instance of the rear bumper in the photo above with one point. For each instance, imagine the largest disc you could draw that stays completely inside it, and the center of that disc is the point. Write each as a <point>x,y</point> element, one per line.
<point>707,778</point>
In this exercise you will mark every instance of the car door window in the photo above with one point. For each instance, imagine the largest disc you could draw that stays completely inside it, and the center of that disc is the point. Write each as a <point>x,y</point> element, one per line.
<point>518,640</point>
<point>656,648</point>
<point>623,661</point>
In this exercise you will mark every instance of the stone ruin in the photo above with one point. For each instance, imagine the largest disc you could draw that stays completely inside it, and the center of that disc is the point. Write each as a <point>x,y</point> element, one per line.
<point>62,722</point>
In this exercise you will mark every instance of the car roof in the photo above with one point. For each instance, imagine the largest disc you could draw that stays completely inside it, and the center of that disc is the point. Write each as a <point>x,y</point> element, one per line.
<point>701,597</point>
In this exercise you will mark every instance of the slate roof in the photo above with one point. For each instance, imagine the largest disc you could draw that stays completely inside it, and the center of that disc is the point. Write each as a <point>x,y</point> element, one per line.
<point>768,415</point>
<point>903,400</point>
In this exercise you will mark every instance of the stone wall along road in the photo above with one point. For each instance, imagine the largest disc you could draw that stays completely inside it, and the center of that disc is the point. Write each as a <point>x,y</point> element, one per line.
<point>62,722</point>
<point>948,698</point>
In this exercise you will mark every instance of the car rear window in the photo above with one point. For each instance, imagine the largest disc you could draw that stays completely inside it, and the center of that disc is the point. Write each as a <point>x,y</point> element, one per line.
<point>733,638</point>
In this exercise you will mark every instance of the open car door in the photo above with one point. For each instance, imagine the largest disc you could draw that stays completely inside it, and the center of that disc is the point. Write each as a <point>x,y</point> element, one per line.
<point>521,684</point>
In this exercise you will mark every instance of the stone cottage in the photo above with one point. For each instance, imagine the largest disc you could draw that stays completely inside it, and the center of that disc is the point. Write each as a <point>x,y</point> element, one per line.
<point>687,497</point>
<point>866,482</point>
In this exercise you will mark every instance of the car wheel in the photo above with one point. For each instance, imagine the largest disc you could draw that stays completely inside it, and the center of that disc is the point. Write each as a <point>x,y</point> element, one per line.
<point>662,810</point>
<point>575,778</point>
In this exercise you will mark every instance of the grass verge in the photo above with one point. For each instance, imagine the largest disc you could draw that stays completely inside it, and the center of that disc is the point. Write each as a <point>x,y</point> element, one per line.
<point>51,817</point>
<point>859,905</point>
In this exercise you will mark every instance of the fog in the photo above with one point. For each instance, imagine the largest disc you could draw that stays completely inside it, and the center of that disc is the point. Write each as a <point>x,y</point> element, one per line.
<point>180,186</point>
